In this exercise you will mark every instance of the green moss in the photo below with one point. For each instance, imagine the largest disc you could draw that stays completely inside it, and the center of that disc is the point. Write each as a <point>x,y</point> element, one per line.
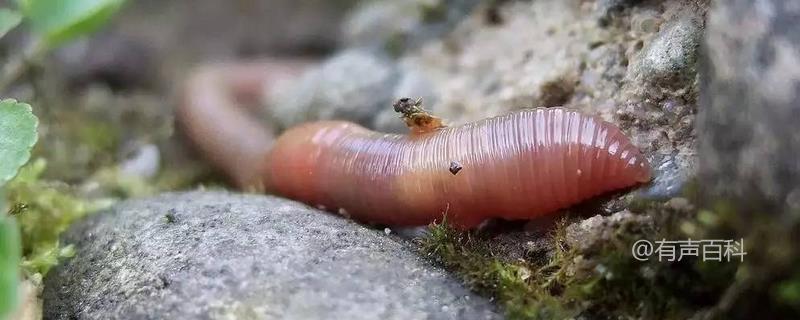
<point>522,288</point>
<point>601,281</point>
<point>76,145</point>
<point>44,210</point>
<point>767,283</point>
<point>788,291</point>
<point>100,137</point>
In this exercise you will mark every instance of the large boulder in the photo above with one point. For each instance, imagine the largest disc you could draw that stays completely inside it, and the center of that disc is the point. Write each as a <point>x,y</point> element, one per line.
<point>201,255</point>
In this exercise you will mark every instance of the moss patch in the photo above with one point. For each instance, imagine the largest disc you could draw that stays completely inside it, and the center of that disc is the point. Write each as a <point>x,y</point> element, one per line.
<point>44,209</point>
<point>603,279</point>
<point>520,286</point>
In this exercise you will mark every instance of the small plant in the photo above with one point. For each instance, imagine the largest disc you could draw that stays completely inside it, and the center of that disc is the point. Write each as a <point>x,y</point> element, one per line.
<point>17,137</point>
<point>52,23</point>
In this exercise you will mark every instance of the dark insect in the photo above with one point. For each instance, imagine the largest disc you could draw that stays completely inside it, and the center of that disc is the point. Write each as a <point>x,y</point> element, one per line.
<point>407,106</point>
<point>17,209</point>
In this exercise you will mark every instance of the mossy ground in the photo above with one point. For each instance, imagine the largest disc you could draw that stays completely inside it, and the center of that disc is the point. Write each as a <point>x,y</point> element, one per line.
<point>604,280</point>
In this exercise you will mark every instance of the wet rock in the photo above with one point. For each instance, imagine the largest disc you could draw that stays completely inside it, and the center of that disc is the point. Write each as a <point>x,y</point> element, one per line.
<point>750,105</point>
<point>669,60</point>
<point>352,85</point>
<point>220,255</point>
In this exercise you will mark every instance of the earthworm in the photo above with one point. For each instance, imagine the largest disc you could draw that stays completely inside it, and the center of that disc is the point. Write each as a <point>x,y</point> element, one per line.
<point>516,166</point>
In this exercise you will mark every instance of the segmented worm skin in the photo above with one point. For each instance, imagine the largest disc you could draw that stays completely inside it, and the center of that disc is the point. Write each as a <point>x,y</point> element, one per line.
<point>517,166</point>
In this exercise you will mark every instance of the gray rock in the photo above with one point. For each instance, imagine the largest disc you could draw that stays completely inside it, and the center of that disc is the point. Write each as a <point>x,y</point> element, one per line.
<point>377,22</point>
<point>405,24</point>
<point>352,85</point>
<point>750,105</point>
<point>670,59</point>
<point>215,255</point>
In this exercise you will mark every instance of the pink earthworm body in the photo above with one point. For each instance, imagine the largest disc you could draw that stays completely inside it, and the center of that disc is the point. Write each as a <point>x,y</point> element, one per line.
<point>516,166</point>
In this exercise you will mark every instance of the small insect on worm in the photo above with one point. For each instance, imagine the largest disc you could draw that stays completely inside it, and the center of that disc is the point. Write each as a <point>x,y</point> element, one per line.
<point>516,166</point>
<point>521,165</point>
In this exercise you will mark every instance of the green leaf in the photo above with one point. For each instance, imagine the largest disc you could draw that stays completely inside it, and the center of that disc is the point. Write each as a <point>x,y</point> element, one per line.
<point>17,137</point>
<point>59,21</point>
<point>9,264</point>
<point>9,19</point>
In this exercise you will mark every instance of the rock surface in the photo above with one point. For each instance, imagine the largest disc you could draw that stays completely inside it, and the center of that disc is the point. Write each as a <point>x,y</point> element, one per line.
<point>214,255</point>
<point>399,26</point>
<point>353,85</point>
<point>751,105</point>
<point>670,58</point>
<point>598,229</point>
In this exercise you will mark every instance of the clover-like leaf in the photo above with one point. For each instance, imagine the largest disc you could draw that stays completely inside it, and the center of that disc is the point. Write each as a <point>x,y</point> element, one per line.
<point>9,263</point>
<point>17,137</point>
<point>9,19</point>
<point>59,21</point>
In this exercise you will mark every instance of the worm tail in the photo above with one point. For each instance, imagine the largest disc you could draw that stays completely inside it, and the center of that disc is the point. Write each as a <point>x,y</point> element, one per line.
<point>212,115</point>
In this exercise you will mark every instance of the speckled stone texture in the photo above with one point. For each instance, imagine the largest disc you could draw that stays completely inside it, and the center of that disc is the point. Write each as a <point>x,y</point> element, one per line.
<point>353,85</point>
<point>216,255</point>
<point>751,105</point>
